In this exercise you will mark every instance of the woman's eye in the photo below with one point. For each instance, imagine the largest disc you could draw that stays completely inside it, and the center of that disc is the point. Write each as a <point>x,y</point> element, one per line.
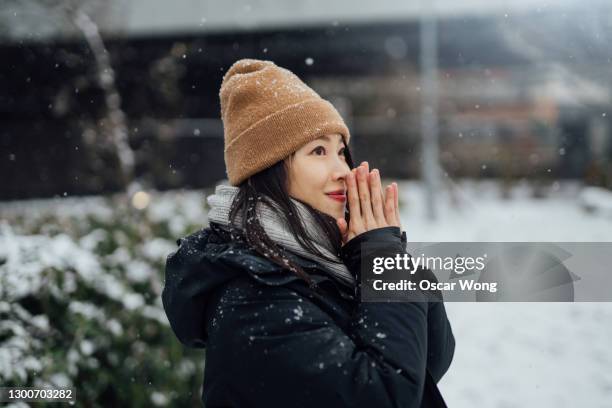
<point>319,149</point>
<point>342,151</point>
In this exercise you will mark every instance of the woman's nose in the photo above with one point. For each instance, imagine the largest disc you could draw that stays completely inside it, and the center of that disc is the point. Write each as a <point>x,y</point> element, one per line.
<point>341,171</point>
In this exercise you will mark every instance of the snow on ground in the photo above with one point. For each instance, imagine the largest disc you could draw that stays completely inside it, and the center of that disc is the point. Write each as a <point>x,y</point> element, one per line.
<point>521,354</point>
<point>483,215</point>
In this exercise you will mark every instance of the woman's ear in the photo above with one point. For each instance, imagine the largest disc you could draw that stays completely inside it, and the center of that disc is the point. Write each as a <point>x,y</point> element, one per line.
<point>289,160</point>
<point>287,165</point>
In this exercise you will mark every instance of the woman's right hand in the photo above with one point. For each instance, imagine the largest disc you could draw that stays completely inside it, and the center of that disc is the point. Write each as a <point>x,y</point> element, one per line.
<point>369,207</point>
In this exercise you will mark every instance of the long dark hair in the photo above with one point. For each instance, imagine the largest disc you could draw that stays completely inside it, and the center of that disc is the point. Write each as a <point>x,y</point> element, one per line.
<point>271,184</point>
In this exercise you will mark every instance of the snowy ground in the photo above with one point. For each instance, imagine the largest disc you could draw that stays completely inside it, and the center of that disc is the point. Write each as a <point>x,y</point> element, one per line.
<point>521,354</point>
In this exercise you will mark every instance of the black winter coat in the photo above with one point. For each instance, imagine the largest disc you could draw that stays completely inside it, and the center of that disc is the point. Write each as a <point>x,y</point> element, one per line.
<point>271,341</point>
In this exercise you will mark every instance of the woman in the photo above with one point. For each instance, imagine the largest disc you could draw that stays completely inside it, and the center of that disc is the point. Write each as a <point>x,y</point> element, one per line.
<point>271,287</point>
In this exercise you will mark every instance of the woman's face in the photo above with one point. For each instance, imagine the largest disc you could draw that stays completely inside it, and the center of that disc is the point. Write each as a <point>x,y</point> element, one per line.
<point>318,169</point>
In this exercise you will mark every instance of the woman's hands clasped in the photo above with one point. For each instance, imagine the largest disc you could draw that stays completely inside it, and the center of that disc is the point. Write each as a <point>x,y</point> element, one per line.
<point>369,206</point>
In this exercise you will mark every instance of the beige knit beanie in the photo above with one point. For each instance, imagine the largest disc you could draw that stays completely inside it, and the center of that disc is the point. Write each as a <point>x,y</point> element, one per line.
<point>269,113</point>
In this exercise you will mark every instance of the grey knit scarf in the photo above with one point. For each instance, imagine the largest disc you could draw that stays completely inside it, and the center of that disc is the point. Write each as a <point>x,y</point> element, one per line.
<point>221,201</point>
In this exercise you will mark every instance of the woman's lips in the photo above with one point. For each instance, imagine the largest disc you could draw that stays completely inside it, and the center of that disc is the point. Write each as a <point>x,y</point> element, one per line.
<point>338,197</point>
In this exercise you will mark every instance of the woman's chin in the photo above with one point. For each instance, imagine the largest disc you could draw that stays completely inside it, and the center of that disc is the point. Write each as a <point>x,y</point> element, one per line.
<point>335,211</point>
<point>330,212</point>
<point>336,214</point>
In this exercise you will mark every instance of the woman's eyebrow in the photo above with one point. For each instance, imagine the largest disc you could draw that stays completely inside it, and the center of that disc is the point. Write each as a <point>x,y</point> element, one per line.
<point>328,139</point>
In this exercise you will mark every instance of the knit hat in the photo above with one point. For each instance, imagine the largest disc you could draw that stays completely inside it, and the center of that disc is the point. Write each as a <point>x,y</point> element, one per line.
<point>269,113</point>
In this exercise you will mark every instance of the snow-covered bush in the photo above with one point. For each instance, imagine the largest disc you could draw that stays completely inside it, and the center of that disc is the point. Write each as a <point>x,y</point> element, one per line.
<point>80,285</point>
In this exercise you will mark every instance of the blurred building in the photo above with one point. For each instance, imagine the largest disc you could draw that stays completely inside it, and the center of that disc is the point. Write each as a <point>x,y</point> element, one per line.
<point>524,89</point>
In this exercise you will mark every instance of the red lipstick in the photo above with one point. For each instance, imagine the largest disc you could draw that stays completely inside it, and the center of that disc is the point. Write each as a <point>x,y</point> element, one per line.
<point>338,195</point>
